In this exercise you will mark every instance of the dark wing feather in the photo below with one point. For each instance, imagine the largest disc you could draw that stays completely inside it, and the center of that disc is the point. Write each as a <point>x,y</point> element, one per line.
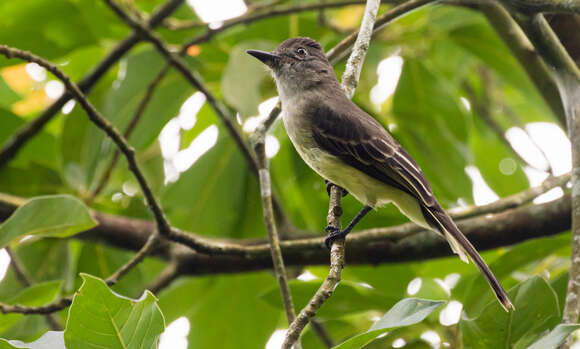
<point>360,141</point>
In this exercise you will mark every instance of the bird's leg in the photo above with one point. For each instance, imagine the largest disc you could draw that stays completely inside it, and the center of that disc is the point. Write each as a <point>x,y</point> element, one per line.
<point>329,184</point>
<point>335,233</point>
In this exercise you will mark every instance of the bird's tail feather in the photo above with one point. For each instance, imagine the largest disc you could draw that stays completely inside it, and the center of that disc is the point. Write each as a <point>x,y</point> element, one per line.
<point>437,217</point>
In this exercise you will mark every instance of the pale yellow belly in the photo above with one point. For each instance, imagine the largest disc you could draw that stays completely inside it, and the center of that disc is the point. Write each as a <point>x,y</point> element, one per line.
<point>364,188</point>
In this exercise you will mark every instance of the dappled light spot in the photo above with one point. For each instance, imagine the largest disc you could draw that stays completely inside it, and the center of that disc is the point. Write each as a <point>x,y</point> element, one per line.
<point>184,159</point>
<point>216,11</point>
<point>4,263</point>
<point>175,335</point>
<point>414,286</point>
<point>306,276</point>
<point>272,146</point>
<point>54,89</point>
<point>389,72</point>
<point>451,314</point>
<point>432,338</point>
<point>482,193</point>
<point>507,166</point>
<point>36,72</point>
<point>276,339</point>
<point>399,343</point>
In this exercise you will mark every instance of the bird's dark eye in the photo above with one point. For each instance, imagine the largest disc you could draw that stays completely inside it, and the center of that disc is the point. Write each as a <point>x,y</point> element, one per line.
<point>301,52</point>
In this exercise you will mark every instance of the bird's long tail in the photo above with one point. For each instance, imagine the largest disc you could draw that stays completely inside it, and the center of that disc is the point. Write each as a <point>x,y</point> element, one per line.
<point>441,221</point>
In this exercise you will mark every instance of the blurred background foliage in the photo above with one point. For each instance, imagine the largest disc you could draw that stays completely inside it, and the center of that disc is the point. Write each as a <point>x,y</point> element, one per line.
<point>456,75</point>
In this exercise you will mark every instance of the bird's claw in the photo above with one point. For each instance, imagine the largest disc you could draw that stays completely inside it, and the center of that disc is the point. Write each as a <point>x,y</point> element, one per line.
<point>329,185</point>
<point>334,233</point>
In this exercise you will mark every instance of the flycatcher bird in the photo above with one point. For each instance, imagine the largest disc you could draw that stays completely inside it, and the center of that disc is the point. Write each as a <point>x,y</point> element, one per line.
<point>349,148</point>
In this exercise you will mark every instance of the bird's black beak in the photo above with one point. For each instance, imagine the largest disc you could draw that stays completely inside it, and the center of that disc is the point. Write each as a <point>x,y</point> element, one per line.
<point>267,58</point>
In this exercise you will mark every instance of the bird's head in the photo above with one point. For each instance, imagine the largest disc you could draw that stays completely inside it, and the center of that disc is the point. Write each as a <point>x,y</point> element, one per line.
<point>297,64</point>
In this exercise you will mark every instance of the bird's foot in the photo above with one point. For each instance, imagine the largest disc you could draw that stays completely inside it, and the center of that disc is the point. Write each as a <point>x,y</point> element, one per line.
<point>329,185</point>
<point>334,234</point>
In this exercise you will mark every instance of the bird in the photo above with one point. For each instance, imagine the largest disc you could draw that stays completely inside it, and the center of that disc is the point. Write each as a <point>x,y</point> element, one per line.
<point>351,149</point>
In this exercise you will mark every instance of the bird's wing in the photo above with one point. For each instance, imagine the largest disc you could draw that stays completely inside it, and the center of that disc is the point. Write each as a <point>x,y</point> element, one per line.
<point>360,141</point>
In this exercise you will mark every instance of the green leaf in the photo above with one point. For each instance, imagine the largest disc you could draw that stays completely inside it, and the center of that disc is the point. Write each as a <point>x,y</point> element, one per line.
<point>51,339</point>
<point>556,337</point>
<point>39,294</point>
<point>536,312</point>
<point>57,215</point>
<point>100,318</point>
<point>349,297</point>
<point>407,312</point>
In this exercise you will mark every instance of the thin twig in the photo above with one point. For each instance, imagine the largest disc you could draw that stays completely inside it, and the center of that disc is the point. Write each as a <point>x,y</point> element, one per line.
<point>26,280</point>
<point>322,333</point>
<point>337,254</point>
<point>130,128</point>
<point>11,147</point>
<point>337,249</point>
<point>165,278</point>
<point>259,138</point>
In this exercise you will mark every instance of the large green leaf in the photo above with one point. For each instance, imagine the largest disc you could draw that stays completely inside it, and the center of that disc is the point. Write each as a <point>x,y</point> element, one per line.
<point>536,311</point>
<point>57,215</point>
<point>407,312</point>
<point>100,318</point>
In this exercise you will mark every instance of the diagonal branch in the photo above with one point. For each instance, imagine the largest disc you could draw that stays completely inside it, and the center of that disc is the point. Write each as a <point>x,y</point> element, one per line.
<point>350,80</point>
<point>259,140</point>
<point>221,111</point>
<point>130,128</point>
<point>163,226</point>
<point>11,147</point>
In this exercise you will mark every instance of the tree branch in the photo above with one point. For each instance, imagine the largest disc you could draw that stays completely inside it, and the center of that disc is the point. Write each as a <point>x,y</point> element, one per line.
<point>259,140</point>
<point>25,279</point>
<point>337,254</point>
<point>11,147</point>
<point>337,249</point>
